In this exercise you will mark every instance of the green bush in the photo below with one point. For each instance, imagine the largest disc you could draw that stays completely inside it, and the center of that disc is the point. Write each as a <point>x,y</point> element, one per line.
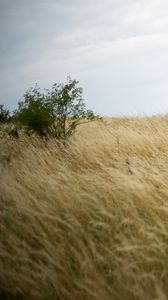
<point>68,108</point>
<point>56,112</point>
<point>4,114</point>
<point>33,113</point>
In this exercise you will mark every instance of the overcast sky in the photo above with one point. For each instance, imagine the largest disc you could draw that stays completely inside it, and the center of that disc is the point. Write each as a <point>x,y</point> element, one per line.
<point>117,49</point>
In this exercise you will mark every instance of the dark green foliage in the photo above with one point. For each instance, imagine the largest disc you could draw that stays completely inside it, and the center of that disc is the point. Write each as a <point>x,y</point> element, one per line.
<point>33,113</point>
<point>4,114</point>
<point>57,112</point>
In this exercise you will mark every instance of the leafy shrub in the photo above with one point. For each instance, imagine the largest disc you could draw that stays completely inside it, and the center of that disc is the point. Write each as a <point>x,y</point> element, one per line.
<point>68,108</point>
<point>33,113</point>
<point>4,114</point>
<point>56,112</point>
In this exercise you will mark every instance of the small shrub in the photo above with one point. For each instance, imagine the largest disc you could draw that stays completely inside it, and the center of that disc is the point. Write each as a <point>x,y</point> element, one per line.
<point>57,112</point>
<point>68,108</point>
<point>4,114</point>
<point>33,113</point>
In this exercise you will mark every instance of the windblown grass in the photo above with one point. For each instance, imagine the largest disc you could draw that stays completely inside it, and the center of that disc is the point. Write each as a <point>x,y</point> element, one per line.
<point>87,220</point>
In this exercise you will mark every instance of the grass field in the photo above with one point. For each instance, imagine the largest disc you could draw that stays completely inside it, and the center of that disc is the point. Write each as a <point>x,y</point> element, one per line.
<point>87,220</point>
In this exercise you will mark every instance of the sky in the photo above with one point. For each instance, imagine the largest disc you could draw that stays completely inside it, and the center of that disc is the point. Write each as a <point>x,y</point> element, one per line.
<point>116,49</point>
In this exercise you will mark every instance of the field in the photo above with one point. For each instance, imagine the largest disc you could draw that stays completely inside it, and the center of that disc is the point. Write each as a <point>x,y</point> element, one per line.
<point>86,220</point>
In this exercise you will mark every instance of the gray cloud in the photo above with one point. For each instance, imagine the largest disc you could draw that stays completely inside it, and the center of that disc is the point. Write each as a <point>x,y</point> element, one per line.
<point>116,49</point>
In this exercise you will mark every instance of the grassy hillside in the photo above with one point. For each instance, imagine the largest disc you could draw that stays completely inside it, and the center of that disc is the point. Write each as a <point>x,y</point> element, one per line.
<point>88,220</point>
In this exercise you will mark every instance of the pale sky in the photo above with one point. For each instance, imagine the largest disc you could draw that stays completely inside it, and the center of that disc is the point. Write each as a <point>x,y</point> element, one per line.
<point>117,49</point>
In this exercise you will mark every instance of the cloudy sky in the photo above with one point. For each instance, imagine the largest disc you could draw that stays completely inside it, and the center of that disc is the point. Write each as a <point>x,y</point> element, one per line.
<point>117,49</point>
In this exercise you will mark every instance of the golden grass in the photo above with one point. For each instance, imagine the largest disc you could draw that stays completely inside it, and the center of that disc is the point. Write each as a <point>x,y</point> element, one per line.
<point>88,220</point>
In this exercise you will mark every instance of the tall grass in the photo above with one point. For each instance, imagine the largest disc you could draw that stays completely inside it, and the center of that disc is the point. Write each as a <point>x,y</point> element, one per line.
<point>87,220</point>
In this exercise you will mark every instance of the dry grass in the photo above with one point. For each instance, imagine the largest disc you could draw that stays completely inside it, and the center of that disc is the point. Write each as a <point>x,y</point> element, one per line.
<point>90,220</point>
